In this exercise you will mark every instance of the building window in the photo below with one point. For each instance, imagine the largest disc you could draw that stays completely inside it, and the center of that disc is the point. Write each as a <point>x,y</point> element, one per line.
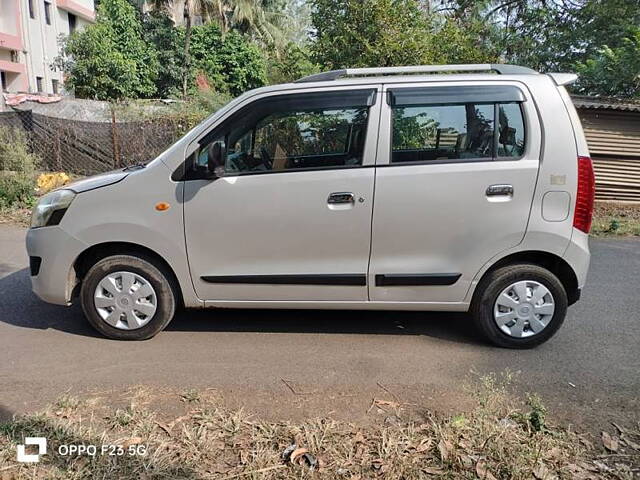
<point>32,12</point>
<point>3,81</point>
<point>72,22</point>
<point>47,12</point>
<point>55,85</point>
<point>14,56</point>
<point>39,84</point>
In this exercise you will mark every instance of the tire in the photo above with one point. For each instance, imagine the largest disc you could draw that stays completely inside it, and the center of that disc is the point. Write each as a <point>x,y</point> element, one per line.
<point>124,316</point>
<point>486,307</point>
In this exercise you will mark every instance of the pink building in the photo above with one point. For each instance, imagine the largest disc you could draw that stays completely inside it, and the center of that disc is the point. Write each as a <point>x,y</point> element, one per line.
<point>29,41</point>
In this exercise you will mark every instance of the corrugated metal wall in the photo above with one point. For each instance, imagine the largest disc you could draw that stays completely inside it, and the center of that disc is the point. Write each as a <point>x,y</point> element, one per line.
<point>614,143</point>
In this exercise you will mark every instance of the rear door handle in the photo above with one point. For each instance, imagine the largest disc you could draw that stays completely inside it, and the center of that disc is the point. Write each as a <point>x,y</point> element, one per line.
<point>499,190</point>
<point>340,197</point>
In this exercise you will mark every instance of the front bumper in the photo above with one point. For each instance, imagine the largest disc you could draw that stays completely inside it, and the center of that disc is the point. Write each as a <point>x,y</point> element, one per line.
<point>57,251</point>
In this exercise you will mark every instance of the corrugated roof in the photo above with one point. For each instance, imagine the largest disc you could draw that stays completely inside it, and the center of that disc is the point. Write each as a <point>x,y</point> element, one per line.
<point>605,103</point>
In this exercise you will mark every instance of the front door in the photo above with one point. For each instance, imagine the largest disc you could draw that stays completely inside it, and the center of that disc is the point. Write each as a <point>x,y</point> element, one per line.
<point>290,218</point>
<point>454,186</point>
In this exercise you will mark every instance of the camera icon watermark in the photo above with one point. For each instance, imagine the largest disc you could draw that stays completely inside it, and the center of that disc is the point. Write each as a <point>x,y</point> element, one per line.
<point>23,457</point>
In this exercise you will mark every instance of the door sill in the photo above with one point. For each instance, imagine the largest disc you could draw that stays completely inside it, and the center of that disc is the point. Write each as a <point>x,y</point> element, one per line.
<point>340,305</point>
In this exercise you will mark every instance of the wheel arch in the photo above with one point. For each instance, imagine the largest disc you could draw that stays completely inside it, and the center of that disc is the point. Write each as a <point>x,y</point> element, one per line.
<point>555,264</point>
<point>97,252</point>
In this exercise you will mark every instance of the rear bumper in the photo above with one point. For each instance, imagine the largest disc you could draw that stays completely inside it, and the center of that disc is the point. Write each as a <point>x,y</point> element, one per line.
<point>52,252</point>
<point>578,256</point>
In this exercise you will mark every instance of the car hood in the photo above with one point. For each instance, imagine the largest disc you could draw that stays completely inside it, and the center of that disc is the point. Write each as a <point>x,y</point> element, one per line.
<point>97,181</point>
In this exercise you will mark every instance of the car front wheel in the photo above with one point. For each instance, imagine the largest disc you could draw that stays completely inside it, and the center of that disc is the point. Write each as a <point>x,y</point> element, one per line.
<point>519,306</point>
<point>127,297</point>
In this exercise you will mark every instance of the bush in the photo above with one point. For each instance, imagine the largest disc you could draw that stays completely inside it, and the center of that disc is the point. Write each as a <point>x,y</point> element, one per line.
<point>16,190</point>
<point>14,152</point>
<point>186,115</point>
<point>17,169</point>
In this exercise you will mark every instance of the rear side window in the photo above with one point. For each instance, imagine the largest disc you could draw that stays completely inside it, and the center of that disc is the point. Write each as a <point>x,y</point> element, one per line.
<point>294,132</point>
<point>456,123</point>
<point>442,132</point>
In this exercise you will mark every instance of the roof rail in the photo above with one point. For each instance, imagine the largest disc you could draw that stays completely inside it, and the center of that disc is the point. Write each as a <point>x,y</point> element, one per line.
<point>502,69</point>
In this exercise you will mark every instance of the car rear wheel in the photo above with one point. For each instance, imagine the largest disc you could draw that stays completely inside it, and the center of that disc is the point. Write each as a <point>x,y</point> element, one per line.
<point>519,306</point>
<point>127,297</point>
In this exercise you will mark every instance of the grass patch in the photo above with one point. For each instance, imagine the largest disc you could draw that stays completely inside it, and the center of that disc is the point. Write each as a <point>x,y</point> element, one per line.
<point>503,437</point>
<point>611,218</point>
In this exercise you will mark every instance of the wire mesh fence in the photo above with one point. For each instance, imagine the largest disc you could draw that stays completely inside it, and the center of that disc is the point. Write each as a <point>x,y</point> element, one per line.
<point>90,147</point>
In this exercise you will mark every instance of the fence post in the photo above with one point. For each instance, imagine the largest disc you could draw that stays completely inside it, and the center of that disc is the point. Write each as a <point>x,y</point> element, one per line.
<point>57,151</point>
<point>114,139</point>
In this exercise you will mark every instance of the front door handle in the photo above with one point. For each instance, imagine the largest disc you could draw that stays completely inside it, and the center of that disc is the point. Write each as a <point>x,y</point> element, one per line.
<point>499,190</point>
<point>340,197</point>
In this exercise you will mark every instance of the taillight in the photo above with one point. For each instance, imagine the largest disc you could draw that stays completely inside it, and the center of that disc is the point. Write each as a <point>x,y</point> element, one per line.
<point>585,195</point>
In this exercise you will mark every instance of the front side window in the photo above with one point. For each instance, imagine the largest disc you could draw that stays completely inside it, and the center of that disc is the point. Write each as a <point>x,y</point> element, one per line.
<point>303,131</point>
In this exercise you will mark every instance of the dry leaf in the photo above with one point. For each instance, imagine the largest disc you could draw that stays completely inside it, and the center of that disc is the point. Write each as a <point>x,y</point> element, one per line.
<point>444,447</point>
<point>541,472</point>
<point>467,461</point>
<point>483,472</point>
<point>177,420</point>
<point>297,453</point>
<point>425,446</point>
<point>164,427</point>
<point>432,470</point>
<point>610,442</point>
<point>359,438</point>
<point>553,454</point>
<point>622,430</point>
<point>131,441</point>
<point>631,443</point>
<point>386,403</point>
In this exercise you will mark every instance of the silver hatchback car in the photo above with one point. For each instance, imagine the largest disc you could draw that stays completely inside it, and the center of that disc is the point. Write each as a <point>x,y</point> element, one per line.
<point>382,188</point>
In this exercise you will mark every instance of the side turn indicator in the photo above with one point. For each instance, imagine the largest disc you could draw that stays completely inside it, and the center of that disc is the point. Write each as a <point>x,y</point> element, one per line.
<point>162,206</point>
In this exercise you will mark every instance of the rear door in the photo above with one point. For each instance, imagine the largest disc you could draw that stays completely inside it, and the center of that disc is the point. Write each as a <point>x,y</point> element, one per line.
<point>290,218</point>
<point>457,168</point>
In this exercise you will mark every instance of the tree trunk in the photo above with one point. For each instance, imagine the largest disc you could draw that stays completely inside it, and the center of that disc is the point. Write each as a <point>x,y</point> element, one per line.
<point>187,57</point>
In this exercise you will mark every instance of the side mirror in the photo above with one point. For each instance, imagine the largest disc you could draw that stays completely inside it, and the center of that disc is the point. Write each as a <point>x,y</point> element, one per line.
<point>215,160</point>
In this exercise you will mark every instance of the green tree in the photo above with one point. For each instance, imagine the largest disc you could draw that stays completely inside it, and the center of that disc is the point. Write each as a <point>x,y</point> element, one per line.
<point>589,36</point>
<point>109,59</point>
<point>230,62</point>
<point>358,33</point>
<point>168,41</point>
<point>613,71</point>
<point>261,20</point>
<point>292,63</point>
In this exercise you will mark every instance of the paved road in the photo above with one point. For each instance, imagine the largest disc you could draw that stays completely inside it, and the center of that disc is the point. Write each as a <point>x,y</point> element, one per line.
<point>588,373</point>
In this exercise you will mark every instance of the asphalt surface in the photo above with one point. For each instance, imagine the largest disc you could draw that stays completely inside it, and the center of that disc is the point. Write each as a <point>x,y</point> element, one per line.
<point>334,363</point>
